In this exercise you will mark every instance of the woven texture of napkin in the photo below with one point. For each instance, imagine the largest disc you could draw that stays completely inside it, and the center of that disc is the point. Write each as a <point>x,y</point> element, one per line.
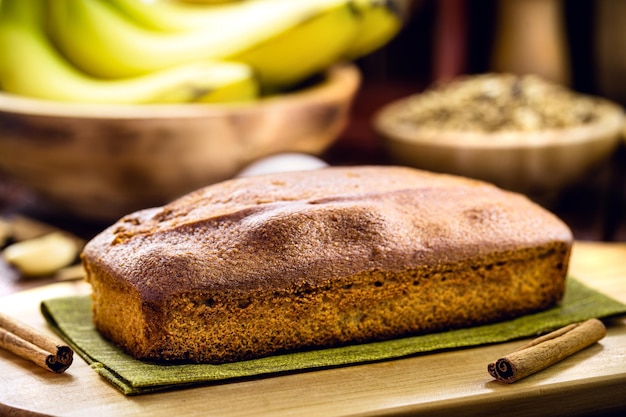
<point>71,318</point>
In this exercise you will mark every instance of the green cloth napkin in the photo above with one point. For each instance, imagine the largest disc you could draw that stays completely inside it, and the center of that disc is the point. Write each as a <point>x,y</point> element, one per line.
<point>71,318</point>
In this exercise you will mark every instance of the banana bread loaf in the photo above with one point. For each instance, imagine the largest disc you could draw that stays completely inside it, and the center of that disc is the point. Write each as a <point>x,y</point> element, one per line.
<point>262,265</point>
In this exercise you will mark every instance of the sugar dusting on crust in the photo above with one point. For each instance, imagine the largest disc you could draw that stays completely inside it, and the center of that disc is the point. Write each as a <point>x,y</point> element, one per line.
<point>290,228</point>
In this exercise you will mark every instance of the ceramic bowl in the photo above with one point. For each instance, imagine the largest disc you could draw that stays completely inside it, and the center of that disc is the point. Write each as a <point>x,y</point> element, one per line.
<point>536,163</point>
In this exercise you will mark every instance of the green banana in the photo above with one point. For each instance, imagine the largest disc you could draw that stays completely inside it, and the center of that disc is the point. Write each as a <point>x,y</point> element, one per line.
<point>381,21</point>
<point>104,42</point>
<point>30,66</point>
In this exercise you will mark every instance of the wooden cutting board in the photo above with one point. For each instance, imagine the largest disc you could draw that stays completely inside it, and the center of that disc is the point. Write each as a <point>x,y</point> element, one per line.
<point>445,383</point>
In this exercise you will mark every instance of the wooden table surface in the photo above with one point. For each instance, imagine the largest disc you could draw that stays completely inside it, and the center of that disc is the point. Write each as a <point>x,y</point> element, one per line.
<point>446,383</point>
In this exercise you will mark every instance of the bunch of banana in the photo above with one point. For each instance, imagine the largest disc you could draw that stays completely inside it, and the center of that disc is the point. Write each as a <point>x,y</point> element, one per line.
<point>132,51</point>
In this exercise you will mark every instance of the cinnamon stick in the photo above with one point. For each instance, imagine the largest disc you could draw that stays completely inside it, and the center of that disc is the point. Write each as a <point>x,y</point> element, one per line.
<point>546,350</point>
<point>31,344</point>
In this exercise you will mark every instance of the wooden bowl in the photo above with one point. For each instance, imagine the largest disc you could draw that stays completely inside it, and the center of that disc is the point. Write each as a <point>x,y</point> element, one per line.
<point>104,161</point>
<point>538,163</point>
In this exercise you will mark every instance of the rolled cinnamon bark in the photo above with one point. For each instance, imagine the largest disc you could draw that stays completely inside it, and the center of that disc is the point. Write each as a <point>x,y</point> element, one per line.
<point>546,350</point>
<point>31,344</point>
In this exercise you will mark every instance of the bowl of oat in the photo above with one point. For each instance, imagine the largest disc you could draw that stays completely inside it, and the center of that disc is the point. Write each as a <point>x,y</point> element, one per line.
<point>521,133</point>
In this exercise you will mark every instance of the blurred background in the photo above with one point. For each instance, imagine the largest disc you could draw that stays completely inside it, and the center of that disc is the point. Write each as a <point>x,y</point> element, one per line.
<point>577,43</point>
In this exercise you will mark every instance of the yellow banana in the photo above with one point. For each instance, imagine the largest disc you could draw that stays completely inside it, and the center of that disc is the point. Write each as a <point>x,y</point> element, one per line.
<point>104,42</point>
<point>177,15</point>
<point>29,65</point>
<point>381,21</point>
<point>307,49</point>
<point>208,1</point>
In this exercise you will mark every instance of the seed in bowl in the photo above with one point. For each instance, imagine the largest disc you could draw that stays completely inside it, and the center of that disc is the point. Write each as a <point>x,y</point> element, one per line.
<point>499,102</point>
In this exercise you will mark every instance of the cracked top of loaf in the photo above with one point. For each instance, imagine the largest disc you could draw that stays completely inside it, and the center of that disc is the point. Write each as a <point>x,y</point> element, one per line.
<point>288,229</point>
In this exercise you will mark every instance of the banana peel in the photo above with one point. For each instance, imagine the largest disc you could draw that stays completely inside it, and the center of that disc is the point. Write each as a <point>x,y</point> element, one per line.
<point>127,51</point>
<point>31,66</point>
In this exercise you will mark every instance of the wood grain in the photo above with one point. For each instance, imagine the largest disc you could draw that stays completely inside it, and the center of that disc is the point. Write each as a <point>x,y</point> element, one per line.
<point>100,162</point>
<point>454,382</point>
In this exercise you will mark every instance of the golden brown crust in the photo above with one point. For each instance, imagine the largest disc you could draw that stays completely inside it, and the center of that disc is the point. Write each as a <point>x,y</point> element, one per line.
<point>375,236</point>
